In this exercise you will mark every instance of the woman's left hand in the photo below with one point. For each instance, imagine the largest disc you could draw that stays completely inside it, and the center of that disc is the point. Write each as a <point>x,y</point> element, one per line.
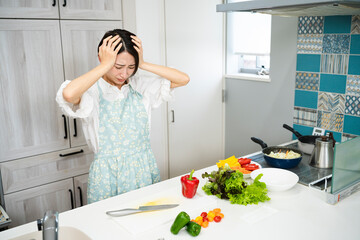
<point>138,48</point>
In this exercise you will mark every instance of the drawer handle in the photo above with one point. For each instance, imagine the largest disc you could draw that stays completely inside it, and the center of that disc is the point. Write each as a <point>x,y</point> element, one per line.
<point>54,3</point>
<point>72,153</point>
<point>75,128</point>
<point>81,197</point>
<point>173,115</point>
<point>64,3</point>
<point>65,126</point>
<point>71,199</point>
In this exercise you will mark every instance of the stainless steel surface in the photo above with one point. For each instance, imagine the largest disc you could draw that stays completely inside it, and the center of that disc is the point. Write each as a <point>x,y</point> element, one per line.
<point>128,211</point>
<point>306,173</point>
<point>307,148</point>
<point>294,7</point>
<point>323,154</point>
<point>49,225</point>
<point>157,207</point>
<point>323,184</point>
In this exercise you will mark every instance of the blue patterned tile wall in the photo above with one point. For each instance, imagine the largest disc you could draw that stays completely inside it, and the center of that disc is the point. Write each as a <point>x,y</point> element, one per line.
<point>327,81</point>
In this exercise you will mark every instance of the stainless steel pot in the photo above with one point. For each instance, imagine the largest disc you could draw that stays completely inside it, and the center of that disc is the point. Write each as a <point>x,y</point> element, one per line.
<point>306,143</point>
<point>323,153</point>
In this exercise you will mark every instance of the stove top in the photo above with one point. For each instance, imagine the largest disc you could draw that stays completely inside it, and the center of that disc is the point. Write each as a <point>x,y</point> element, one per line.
<point>306,173</point>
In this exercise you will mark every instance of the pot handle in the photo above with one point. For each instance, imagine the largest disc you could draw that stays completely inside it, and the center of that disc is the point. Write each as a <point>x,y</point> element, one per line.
<point>331,136</point>
<point>297,134</point>
<point>259,141</point>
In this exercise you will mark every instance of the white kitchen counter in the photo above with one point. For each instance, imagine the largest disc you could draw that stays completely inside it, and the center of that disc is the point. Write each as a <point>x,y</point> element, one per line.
<point>299,213</point>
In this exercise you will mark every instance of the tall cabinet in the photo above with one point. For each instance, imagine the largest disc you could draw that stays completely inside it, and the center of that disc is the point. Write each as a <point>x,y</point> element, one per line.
<point>44,159</point>
<point>196,116</point>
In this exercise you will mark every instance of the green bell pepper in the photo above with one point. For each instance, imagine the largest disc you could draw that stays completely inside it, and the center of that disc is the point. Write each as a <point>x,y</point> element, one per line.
<point>193,228</point>
<point>180,221</point>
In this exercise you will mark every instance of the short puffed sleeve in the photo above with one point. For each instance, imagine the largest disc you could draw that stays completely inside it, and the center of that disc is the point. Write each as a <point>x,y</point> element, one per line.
<point>82,110</point>
<point>155,88</point>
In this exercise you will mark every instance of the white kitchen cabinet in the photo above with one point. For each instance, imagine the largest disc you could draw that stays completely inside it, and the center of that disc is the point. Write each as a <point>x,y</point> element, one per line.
<point>41,150</point>
<point>25,173</point>
<point>80,190</point>
<point>90,9</point>
<point>196,115</point>
<point>80,40</point>
<point>31,184</point>
<point>31,72</point>
<point>63,9</point>
<point>187,132</point>
<point>31,204</point>
<point>29,9</point>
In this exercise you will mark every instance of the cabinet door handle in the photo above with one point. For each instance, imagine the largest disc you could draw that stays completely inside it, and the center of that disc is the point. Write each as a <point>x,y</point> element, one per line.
<point>80,194</point>
<point>72,153</point>
<point>65,127</point>
<point>75,128</point>
<point>71,199</point>
<point>64,3</point>
<point>173,115</point>
<point>54,3</point>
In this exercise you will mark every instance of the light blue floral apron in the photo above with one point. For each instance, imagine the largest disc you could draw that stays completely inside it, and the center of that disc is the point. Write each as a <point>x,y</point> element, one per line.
<point>125,160</point>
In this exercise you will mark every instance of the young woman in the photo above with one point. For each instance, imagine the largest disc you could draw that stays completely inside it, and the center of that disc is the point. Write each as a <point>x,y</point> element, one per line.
<point>115,106</point>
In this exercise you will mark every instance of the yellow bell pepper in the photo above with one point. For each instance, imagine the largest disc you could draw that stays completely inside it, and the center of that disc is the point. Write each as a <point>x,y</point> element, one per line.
<point>231,161</point>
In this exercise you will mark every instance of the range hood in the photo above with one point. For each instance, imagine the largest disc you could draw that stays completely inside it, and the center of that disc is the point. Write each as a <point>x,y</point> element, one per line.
<point>294,7</point>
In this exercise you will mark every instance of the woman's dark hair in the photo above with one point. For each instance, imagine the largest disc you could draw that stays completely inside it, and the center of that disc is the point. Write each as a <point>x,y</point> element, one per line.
<point>127,44</point>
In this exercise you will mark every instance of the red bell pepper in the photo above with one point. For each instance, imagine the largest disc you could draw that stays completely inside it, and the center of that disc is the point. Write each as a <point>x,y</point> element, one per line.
<point>189,185</point>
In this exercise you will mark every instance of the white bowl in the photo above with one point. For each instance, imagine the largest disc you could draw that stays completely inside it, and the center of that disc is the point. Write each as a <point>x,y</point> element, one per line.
<point>276,179</point>
<point>248,175</point>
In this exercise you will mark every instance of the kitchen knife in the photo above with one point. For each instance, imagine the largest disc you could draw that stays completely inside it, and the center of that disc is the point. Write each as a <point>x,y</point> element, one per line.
<point>128,211</point>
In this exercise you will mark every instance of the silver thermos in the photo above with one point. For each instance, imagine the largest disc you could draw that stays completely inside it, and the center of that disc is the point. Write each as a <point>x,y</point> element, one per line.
<point>323,153</point>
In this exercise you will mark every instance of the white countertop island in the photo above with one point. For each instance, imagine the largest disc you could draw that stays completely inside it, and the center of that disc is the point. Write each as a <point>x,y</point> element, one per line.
<point>299,213</point>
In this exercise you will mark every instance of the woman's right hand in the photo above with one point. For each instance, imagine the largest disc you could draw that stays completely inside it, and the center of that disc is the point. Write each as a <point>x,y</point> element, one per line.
<point>108,52</point>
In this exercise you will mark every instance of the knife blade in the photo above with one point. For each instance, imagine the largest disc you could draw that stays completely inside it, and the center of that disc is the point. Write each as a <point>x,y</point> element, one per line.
<point>128,211</point>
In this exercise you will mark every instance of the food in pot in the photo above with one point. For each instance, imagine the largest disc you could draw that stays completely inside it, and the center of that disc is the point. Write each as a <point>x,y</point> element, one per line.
<point>284,155</point>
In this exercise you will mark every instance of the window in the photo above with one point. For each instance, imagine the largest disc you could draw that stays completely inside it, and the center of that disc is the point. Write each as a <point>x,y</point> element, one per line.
<point>248,45</point>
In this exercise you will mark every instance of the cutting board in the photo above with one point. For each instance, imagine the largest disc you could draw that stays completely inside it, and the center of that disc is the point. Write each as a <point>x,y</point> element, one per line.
<point>142,222</point>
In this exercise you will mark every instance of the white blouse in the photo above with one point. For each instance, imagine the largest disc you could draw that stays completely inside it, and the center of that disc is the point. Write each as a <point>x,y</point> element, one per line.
<point>154,90</point>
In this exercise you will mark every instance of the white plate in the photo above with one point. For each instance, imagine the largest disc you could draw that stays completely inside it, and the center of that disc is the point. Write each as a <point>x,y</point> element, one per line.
<point>248,175</point>
<point>276,179</point>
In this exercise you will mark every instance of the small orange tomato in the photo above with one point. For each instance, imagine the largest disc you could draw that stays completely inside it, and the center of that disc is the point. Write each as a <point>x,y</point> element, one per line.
<point>211,214</point>
<point>217,210</point>
<point>205,224</point>
<point>199,218</point>
<point>211,219</point>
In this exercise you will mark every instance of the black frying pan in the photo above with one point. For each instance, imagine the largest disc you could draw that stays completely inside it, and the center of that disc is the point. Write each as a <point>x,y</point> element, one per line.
<point>306,143</point>
<point>304,139</point>
<point>278,162</point>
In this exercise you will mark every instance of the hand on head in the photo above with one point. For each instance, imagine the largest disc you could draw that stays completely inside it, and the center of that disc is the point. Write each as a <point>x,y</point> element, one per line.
<point>108,50</point>
<point>138,48</point>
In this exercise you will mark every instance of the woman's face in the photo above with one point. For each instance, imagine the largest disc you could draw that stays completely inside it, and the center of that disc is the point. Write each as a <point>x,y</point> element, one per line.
<point>124,67</point>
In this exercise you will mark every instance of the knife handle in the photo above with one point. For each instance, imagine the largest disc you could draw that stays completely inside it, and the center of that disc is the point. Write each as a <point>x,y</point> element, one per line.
<point>123,212</point>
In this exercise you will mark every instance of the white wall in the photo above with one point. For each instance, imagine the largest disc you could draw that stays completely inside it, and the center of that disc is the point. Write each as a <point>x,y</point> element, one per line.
<point>146,19</point>
<point>259,109</point>
<point>192,42</point>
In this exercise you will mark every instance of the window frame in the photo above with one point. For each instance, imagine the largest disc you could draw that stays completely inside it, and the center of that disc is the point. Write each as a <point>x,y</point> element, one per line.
<point>243,75</point>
